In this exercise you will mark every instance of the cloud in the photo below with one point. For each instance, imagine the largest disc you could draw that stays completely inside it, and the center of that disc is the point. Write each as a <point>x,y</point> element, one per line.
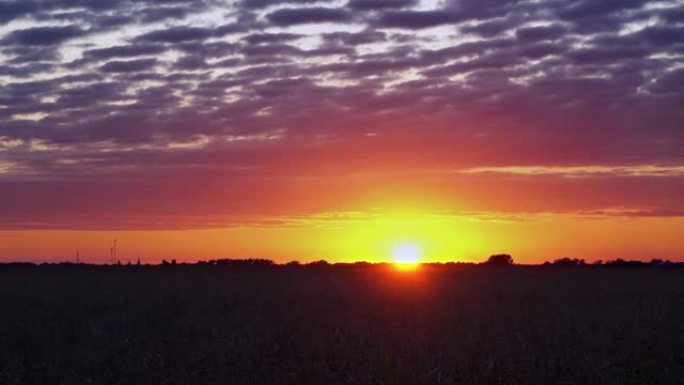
<point>152,15</point>
<point>128,65</point>
<point>663,35</point>
<point>371,5</point>
<point>176,35</point>
<point>10,10</point>
<point>31,54</point>
<point>294,16</point>
<point>377,96</point>
<point>353,39</point>
<point>540,33</point>
<point>416,19</point>
<point>585,171</point>
<point>258,4</point>
<point>43,36</point>
<point>260,38</point>
<point>489,28</point>
<point>126,51</point>
<point>579,9</point>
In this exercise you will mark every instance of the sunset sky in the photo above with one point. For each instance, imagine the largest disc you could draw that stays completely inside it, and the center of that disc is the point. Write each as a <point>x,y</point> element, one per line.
<point>303,129</point>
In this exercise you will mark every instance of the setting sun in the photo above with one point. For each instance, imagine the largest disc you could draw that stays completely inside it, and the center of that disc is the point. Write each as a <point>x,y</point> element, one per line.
<point>406,256</point>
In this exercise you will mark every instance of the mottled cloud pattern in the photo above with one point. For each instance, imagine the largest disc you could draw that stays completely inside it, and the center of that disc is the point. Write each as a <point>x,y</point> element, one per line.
<point>207,112</point>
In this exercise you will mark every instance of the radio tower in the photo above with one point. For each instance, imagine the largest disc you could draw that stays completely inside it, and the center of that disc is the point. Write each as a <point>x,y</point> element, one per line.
<point>112,253</point>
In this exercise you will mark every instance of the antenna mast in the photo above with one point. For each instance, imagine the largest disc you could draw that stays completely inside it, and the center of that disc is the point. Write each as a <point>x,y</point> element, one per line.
<point>112,252</point>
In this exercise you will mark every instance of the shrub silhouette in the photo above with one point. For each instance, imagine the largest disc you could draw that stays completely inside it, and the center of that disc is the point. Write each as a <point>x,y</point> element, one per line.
<point>568,262</point>
<point>320,263</point>
<point>500,260</point>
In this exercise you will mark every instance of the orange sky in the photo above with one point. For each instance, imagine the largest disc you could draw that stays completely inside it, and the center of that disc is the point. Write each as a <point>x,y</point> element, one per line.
<point>346,205</point>
<point>342,207</point>
<point>529,238</point>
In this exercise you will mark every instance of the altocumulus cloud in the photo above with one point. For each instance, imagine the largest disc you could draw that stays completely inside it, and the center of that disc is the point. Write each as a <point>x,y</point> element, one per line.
<point>128,100</point>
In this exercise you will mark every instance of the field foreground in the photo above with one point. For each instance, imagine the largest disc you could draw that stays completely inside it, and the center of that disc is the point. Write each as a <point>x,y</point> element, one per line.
<point>335,325</point>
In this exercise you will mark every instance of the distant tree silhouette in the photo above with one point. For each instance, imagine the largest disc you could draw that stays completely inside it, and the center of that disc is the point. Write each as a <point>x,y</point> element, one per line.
<point>569,262</point>
<point>622,263</point>
<point>237,262</point>
<point>322,262</point>
<point>660,262</point>
<point>500,260</point>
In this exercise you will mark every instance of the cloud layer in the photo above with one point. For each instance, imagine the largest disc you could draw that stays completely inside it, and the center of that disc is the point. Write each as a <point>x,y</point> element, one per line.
<point>246,107</point>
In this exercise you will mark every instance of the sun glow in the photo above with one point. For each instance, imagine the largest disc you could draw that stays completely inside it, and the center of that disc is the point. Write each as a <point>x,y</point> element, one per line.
<point>406,256</point>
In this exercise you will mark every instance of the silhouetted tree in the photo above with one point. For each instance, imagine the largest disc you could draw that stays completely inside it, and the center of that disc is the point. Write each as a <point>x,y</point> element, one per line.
<point>322,262</point>
<point>622,263</point>
<point>569,262</point>
<point>660,262</point>
<point>245,262</point>
<point>500,260</point>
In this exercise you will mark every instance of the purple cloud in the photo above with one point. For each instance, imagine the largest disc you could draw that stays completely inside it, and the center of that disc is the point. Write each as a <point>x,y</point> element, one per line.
<point>264,96</point>
<point>294,16</point>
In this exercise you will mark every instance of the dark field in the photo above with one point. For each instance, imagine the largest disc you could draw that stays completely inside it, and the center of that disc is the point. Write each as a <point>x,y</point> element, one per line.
<point>333,325</point>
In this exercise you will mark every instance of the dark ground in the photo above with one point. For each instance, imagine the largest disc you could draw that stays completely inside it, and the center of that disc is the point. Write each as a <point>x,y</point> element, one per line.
<point>282,325</point>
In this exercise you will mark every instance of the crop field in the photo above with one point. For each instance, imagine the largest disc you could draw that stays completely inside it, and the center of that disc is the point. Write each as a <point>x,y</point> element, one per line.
<point>341,325</point>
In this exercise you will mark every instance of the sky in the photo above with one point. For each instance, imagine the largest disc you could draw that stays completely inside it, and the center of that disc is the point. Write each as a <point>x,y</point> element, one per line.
<point>335,129</point>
